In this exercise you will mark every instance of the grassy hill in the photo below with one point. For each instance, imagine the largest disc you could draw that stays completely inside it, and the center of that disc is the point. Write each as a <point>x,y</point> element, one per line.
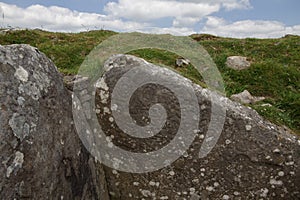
<point>274,73</point>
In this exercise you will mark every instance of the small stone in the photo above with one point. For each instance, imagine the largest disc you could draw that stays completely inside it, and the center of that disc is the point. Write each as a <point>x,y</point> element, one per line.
<point>226,197</point>
<point>146,193</point>
<point>281,173</point>
<point>203,107</point>
<point>106,110</point>
<point>152,183</point>
<point>136,183</point>
<point>246,98</point>
<point>248,127</point>
<point>181,62</point>
<point>264,192</point>
<point>289,163</point>
<point>196,131</point>
<point>236,193</point>
<point>112,193</point>
<point>276,151</point>
<point>196,180</point>
<point>216,184</point>
<point>292,173</point>
<point>172,173</point>
<point>275,182</point>
<point>227,142</point>
<point>111,119</point>
<point>209,188</point>
<point>201,136</point>
<point>237,62</point>
<point>164,198</point>
<point>192,190</point>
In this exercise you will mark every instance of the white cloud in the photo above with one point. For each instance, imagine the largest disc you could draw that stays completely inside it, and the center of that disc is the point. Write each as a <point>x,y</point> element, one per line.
<point>145,10</point>
<point>184,12</point>
<point>182,31</point>
<point>185,21</point>
<point>143,16</point>
<point>60,19</point>
<point>248,28</point>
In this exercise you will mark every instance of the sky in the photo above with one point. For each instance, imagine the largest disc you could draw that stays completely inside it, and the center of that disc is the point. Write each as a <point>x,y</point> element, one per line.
<point>228,18</point>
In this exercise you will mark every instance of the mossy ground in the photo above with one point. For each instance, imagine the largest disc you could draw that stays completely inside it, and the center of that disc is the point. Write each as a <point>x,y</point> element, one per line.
<point>274,71</point>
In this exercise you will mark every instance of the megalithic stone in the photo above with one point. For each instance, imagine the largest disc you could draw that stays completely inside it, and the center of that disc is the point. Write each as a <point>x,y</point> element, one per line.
<point>41,155</point>
<point>253,158</point>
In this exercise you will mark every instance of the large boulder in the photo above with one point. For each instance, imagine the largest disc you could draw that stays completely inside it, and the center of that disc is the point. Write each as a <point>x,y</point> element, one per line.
<point>41,155</point>
<point>253,159</point>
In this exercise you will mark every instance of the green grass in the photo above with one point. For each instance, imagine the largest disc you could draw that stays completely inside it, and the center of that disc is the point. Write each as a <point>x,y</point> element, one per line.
<point>67,50</point>
<point>274,72</point>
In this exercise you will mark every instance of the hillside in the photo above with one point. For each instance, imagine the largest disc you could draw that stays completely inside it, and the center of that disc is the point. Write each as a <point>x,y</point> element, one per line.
<point>274,73</point>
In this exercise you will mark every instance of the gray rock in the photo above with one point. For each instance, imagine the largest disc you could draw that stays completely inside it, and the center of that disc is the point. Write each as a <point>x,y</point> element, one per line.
<point>181,62</point>
<point>246,98</point>
<point>237,62</point>
<point>41,154</point>
<point>243,164</point>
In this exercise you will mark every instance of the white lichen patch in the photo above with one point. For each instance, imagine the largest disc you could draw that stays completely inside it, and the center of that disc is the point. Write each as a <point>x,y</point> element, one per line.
<point>172,173</point>
<point>30,89</point>
<point>264,192</point>
<point>248,127</point>
<point>104,96</point>
<point>16,164</point>
<point>21,74</point>
<point>21,101</point>
<point>19,126</point>
<point>101,84</point>
<point>275,182</point>
<point>106,110</point>
<point>42,80</point>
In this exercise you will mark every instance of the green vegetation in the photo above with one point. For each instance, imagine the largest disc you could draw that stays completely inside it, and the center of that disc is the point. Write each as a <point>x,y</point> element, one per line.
<point>274,72</point>
<point>66,50</point>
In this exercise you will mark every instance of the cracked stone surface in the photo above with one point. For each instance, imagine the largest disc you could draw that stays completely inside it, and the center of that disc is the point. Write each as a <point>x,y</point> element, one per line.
<point>41,155</point>
<point>253,159</point>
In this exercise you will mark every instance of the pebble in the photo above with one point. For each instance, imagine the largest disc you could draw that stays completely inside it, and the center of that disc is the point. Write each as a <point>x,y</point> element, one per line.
<point>172,173</point>
<point>281,173</point>
<point>248,127</point>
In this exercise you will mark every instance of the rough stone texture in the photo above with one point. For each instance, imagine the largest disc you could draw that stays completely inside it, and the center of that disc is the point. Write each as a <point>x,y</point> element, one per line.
<point>246,98</point>
<point>41,155</point>
<point>253,158</point>
<point>237,62</point>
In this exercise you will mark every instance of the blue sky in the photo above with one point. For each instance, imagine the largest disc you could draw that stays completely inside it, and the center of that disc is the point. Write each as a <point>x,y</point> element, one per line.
<point>232,18</point>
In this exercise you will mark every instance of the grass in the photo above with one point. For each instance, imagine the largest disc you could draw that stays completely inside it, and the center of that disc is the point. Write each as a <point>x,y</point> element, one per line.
<point>66,50</point>
<point>274,71</point>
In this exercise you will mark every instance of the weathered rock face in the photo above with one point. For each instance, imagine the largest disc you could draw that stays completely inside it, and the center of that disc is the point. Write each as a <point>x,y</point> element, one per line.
<point>237,62</point>
<point>43,158</point>
<point>41,155</point>
<point>253,159</point>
